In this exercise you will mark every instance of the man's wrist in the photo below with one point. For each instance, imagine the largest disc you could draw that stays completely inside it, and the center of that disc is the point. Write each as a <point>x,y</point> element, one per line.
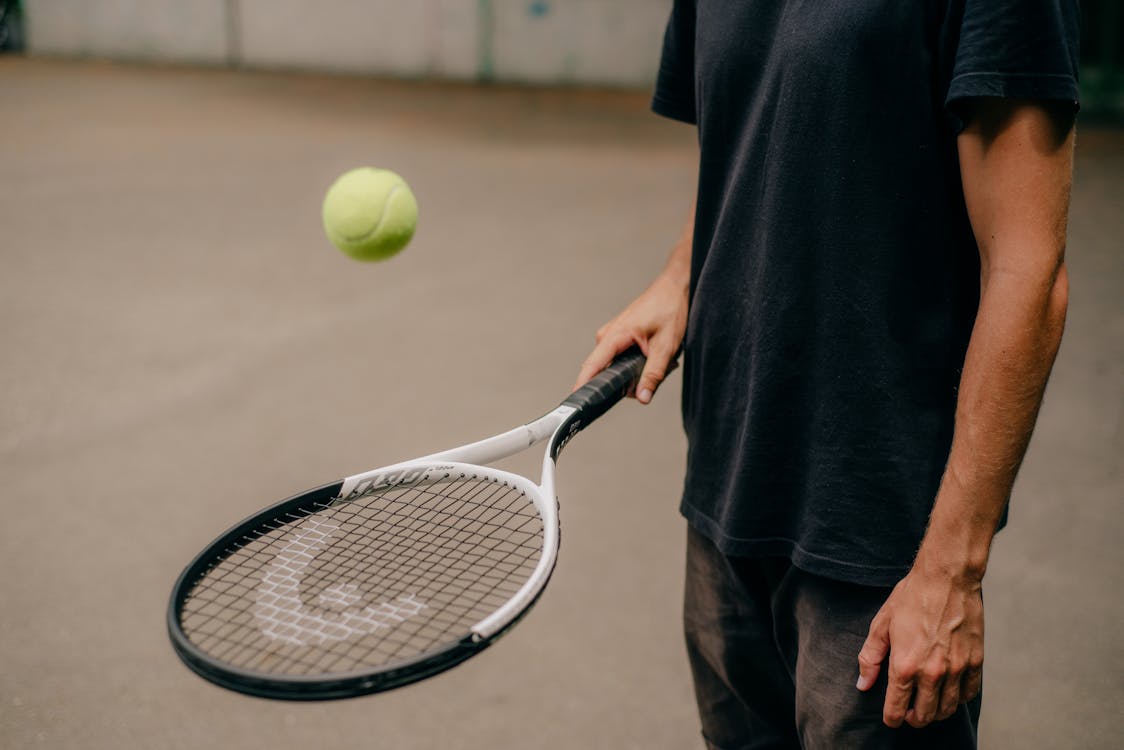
<point>676,274</point>
<point>951,559</point>
<point>957,543</point>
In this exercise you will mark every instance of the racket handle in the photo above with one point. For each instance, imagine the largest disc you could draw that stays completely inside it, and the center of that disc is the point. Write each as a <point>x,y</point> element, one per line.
<point>607,387</point>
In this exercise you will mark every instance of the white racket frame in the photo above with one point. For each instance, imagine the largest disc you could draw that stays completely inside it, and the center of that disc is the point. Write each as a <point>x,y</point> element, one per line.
<point>471,459</point>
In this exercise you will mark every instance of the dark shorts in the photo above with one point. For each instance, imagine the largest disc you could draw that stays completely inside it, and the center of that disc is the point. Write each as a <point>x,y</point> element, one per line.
<point>774,656</point>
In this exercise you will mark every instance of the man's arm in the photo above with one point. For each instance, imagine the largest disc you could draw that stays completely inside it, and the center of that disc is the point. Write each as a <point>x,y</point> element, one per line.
<point>655,321</point>
<point>1016,164</point>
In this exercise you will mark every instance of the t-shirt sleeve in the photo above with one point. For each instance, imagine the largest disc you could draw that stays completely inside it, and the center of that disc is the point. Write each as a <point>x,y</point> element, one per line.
<point>674,96</point>
<point>1021,49</point>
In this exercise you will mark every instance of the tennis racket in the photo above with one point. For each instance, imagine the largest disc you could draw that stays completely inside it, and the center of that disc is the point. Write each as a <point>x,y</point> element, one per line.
<point>387,577</point>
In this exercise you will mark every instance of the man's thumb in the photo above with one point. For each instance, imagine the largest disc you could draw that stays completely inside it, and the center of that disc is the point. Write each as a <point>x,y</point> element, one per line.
<point>873,653</point>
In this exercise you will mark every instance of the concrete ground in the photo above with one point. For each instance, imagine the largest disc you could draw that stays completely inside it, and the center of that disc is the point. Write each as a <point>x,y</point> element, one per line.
<point>180,346</point>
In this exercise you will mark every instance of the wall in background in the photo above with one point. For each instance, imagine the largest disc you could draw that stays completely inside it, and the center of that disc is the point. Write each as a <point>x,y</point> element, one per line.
<point>594,42</point>
<point>584,42</point>
<point>160,30</point>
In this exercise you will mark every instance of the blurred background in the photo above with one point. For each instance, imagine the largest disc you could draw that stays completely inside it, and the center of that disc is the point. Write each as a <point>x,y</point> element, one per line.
<point>179,345</point>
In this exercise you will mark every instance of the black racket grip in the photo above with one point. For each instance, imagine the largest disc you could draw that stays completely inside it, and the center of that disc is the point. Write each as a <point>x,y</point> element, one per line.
<point>607,387</point>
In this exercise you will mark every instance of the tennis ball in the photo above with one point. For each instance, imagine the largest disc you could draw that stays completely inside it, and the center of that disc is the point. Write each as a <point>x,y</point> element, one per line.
<point>369,213</point>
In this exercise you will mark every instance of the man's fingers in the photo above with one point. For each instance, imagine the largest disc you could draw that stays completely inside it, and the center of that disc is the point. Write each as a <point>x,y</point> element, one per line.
<point>590,367</point>
<point>949,692</point>
<point>873,652</point>
<point>971,683</point>
<point>950,698</point>
<point>607,348</point>
<point>659,364</point>
<point>926,699</point>
<point>660,355</point>
<point>899,690</point>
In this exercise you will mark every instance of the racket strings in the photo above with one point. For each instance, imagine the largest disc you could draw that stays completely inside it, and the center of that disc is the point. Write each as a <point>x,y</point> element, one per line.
<point>320,666</point>
<point>385,578</point>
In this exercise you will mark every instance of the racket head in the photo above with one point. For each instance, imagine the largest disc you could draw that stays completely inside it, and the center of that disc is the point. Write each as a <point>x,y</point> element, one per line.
<point>323,597</point>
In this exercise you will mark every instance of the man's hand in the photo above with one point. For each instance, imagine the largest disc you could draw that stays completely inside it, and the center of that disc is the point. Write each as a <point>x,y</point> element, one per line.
<point>932,629</point>
<point>655,321</point>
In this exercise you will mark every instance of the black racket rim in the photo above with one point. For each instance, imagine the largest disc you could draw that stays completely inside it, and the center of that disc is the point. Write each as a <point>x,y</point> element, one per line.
<point>311,688</point>
<point>306,687</point>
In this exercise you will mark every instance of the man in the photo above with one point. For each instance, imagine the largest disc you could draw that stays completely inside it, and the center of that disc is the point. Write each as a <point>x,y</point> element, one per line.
<point>869,295</point>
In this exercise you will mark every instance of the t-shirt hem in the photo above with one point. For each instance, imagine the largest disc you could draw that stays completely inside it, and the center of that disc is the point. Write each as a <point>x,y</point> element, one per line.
<point>809,562</point>
<point>674,110</point>
<point>1041,87</point>
<point>1056,86</point>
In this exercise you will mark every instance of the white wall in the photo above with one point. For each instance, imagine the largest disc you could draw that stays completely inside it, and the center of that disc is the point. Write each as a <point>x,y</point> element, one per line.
<point>415,38</point>
<point>602,42</point>
<point>614,42</point>
<point>193,31</point>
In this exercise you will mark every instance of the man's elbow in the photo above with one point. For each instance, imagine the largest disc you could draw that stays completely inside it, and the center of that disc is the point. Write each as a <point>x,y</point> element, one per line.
<point>1058,299</point>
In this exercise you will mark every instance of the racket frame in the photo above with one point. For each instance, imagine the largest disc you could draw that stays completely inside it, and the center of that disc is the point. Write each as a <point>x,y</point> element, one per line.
<point>559,425</point>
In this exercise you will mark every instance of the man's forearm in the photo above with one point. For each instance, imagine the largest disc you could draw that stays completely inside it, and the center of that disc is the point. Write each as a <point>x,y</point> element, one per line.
<point>1016,164</point>
<point>1013,345</point>
<point>678,266</point>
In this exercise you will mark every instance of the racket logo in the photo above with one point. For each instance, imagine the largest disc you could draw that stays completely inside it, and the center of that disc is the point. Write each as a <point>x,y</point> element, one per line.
<point>387,479</point>
<point>282,616</point>
<point>574,428</point>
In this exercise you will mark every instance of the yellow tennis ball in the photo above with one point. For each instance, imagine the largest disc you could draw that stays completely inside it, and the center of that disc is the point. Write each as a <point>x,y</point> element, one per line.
<point>370,213</point>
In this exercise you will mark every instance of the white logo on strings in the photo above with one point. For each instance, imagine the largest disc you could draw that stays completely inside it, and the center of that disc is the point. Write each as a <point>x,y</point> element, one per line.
<point>282,616</point>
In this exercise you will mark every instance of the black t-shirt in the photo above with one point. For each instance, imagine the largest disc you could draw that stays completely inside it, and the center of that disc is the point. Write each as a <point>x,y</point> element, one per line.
<point>834,276</point>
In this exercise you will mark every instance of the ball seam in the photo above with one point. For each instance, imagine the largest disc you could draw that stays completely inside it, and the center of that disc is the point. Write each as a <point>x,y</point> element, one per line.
<point>382,216</point>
